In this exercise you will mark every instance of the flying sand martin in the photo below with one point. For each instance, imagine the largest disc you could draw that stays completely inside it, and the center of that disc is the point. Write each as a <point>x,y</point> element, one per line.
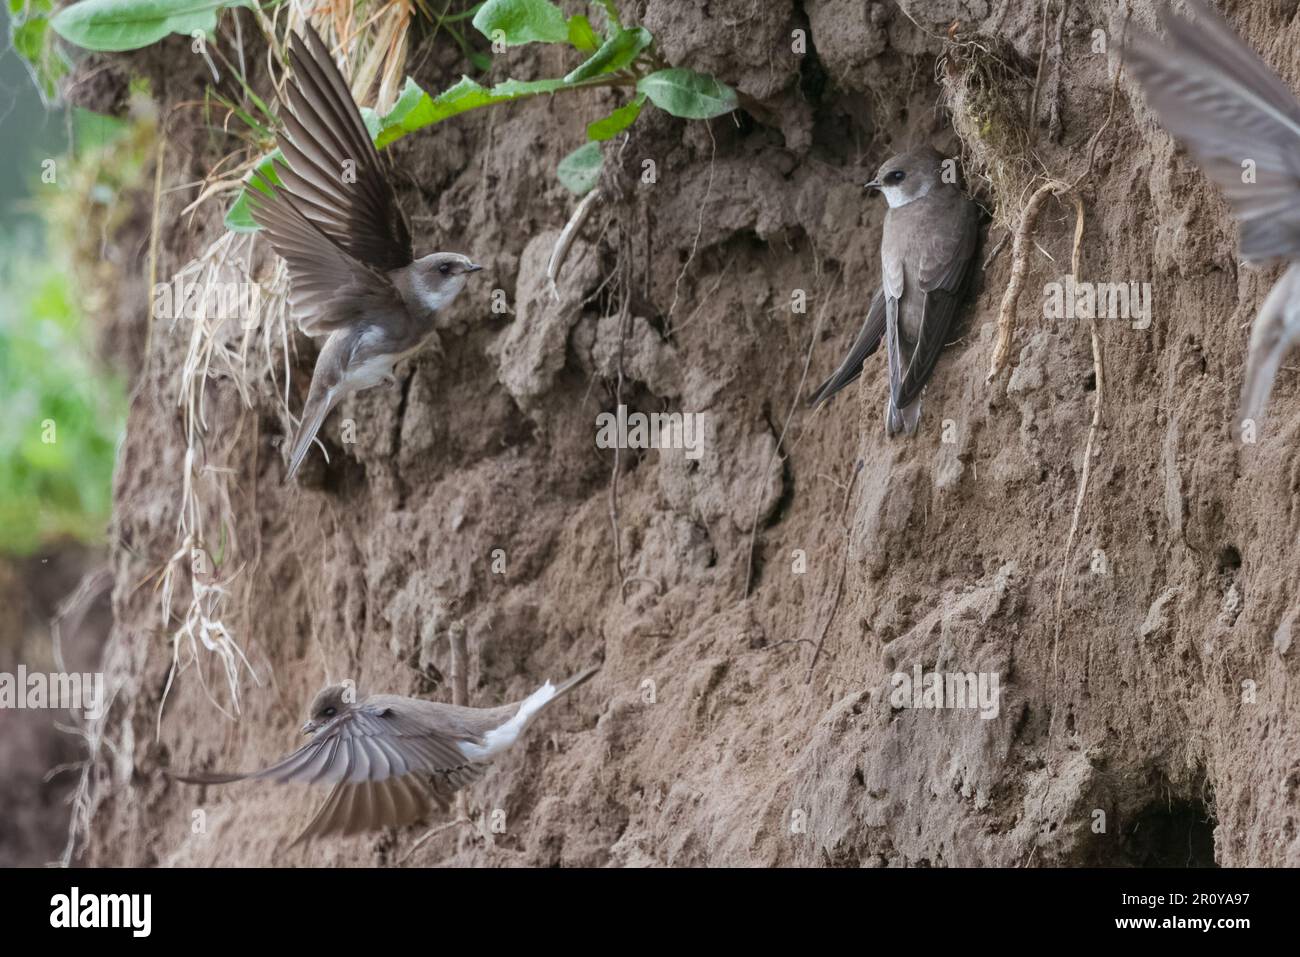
<point>1242,126</point>
<point>336,222</point>
<point>926,252</point>
<point>392,759</point>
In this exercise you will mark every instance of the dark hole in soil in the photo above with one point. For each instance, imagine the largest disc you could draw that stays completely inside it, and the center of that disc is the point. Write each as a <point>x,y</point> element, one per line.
<point>1170,834</point>
<point>1229,559</point>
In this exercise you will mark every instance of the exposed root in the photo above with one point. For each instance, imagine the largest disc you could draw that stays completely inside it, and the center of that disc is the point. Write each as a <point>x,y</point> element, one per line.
<point>1019,267</point>
<point>1092,433</point>
<point>699,231</point>
<point>571,229</point>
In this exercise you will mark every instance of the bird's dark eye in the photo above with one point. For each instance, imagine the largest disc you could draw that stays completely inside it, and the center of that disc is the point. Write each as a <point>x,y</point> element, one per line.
<point>330,712</point>
<point>895,177</point>
<point>445,268</point>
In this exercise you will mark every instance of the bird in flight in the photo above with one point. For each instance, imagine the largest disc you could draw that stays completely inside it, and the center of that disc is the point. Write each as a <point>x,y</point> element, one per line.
<point>335,220</point>
<point>391,759</point>
<point>1242,126</point>
<point>926,251</point>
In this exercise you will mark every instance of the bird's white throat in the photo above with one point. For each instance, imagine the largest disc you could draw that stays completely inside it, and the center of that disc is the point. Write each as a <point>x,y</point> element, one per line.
<point>896,197</point>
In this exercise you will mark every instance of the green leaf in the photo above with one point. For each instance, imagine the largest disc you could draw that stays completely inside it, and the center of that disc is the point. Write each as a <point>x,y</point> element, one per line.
<point>617,121</point>
<point>580,170</point>
<point>614,54</point>
<point>28,39</point>
<point>238,217</point>
<point>414,112</point>
<point>522,21</point>
<point>581,35</point>
<point>688,94</point>
<point>114,25</point>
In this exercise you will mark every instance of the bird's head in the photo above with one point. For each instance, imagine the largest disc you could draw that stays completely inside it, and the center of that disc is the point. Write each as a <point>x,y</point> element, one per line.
<point>439,277</point>
<point>909,176</point>
<point>328,706</point>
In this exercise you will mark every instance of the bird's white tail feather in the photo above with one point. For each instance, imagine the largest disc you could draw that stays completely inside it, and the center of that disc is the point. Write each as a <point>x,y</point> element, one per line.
<point>503,736</point>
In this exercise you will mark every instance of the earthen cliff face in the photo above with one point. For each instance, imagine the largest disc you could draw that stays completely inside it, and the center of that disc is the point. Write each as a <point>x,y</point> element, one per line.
<point>1151,698</point>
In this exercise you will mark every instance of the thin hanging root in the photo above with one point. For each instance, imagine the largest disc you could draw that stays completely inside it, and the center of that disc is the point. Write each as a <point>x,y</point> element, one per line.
<point>1092,433</point>
<point>571,229</point>
<point>1019,267</point>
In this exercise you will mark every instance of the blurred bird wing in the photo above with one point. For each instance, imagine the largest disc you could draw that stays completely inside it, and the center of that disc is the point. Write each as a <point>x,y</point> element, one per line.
<point>1275,330</point>
<point>867,342</point>
<point>372,742</point>
<point>329,289</point>
<point>1222,101</point>
<point>335,174</point>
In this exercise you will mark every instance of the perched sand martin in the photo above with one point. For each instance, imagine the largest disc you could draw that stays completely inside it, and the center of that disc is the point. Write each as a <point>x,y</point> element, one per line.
<point>336,221</point>
<point>392,759</point>
<point>926,252</point>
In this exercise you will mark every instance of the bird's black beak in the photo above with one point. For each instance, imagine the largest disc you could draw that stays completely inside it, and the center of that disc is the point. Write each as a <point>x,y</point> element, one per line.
<point>309,727</point>
<point>473,267</point>
<point>873,185</point>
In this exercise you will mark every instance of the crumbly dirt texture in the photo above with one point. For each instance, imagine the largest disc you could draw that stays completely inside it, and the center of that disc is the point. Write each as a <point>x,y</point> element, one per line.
<point>1150,721</point>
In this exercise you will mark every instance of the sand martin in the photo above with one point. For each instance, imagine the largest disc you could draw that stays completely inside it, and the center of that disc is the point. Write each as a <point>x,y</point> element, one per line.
<point>392,760</point>
<point>1242,126</point>
<point>336,221</point>
<point>926,253</point>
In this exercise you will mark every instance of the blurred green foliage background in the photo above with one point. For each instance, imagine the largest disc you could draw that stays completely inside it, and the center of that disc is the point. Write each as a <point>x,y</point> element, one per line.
<point>61,409</point>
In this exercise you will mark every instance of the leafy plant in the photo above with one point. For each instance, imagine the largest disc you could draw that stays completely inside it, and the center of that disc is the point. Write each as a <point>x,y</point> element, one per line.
<point>624,58</point>
<point>29,35</point>
<point>618,56</point>
<point>116,25</point>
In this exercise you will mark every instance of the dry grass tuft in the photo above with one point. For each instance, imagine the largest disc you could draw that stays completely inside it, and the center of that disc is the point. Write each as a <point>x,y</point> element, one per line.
<point>987,89</point>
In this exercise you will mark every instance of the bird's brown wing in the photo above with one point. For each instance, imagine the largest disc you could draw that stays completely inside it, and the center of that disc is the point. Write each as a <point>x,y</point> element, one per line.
<point>943,259</point>
<point>867,342</point>
<point>368,743</point>
<point>1226,106</point>
<point>329,289</point>
<point>335,174</point>
<point>387,767</point>
<point>354,807</point>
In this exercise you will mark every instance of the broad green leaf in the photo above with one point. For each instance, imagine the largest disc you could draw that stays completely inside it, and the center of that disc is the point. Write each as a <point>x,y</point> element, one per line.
<point>238,217</point>
<point>688,94</point>
<point>416,112</point>
<point>581,35</point>
<point>522,21</point>
<point>580,170</point>
<point>617,121</point>
<point>113,25</point>
<point>410,97</point>
<point>614,54</point>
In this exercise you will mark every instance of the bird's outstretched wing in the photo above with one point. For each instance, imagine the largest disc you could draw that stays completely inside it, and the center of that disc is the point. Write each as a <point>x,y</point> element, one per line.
<point>387,768</point>
<point>867,342</point>
<point>334,217</point>
<point>1235,116</point>
<point>943,261</point>
<point>335,172</point>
